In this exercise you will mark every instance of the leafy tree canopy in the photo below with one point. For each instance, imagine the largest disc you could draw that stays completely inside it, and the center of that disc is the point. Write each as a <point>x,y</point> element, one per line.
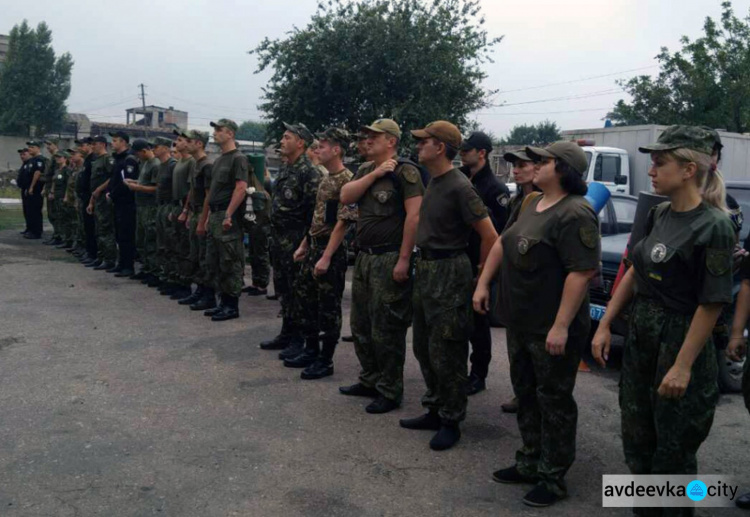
<point>252,130</point>
<point>533,134</point>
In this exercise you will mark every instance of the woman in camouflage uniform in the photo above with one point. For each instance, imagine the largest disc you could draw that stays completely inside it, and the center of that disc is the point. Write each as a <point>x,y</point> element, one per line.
<point>681,279</point>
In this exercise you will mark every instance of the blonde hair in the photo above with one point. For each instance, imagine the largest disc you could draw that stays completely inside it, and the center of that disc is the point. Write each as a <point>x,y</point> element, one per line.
<point>710,181</point>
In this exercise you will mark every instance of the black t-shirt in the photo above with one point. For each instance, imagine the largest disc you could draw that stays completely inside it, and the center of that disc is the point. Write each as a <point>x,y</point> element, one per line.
<point>125,167</point>
<point>83,181</point>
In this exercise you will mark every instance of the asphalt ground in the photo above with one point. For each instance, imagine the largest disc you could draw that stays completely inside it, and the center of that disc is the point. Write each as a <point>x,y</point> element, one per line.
<point>115,401</point>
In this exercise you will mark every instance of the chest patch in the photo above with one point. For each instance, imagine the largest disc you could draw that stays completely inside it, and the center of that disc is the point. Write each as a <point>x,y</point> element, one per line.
<point>382,196</point>
<point>658,253</point>
<point>523,245</point>
<point>288,193</point>
<point>59,176</point>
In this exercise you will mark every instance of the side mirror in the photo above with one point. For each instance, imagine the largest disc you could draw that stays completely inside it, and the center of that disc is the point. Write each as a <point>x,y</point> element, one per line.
<point>621,179</point>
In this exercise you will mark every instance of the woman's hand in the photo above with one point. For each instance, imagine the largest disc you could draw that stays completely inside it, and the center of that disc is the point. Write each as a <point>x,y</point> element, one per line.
<point>600,345</point>
<point>481,299</point>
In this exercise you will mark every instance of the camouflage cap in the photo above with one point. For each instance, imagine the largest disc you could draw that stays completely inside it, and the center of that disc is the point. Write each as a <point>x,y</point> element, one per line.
<point>335,134</point>
<point>569,152</point>
<point>718,146</point>
<point>516,156</point>
<point>695,138</point>
<point>73,150</point>
<point>194,134</point>
<point>225,122</point>
<point>384,125</point>
<point>183,134</point>
<point>441,130</point>
<point>52,140</point>
<point>301,131</point>
<point>61,154</point>
<point>160,140</point>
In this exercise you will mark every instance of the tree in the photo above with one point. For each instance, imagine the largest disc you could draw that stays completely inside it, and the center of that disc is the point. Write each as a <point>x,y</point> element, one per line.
<point>252,130</point>
<point>34,84</point>
<point>528,134</point>
<point>357,61</point>
<point>707,82</point>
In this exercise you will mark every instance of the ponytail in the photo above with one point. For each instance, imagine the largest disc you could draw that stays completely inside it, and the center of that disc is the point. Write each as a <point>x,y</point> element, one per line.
<point>714,192</point>
<point>710,180</point>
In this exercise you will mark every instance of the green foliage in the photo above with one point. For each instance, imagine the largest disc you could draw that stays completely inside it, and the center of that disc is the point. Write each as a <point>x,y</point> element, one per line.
<point>252,130</point>
<point>34,84</point>
<point>357,61</point>
<point>529,134</point>
<point>706,82</point>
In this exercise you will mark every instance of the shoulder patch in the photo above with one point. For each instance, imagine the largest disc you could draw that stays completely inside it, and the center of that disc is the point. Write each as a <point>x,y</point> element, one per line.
<point>410,174</point>
<point>503,199</point>
<point>477,207</point>
<point>718,261</point>
<point>589,235</point>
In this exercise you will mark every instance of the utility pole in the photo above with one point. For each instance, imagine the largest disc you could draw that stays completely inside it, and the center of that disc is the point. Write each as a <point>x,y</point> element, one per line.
<point>145,118</point>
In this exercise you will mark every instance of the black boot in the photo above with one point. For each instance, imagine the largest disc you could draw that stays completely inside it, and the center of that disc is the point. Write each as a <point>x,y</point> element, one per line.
<point>153,281</point>
<point>280,342</point>
<point>104,266</point>
<point>168,289</point>
<point>207,301</point>
<point>293,349</point>
<point>95,264</point>
<point>216,310</point>
<point>359,390</point>
<point>303,359</point>
<point>194,297</point>
<point>231,309</point>
<point>427,422</point>
<point>322,367</point>
<point>446,437</point>
<point>182,291</point>
<point>381,405</point>
<point>115,269</point>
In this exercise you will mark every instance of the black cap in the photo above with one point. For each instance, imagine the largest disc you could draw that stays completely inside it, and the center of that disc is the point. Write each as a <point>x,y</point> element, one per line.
<point>86,140</point>
<point>24,150</point>
<point>99,138</point>
<point>120,134</point>
<point>34,143</point>
<point>140,144</point>
<point>477,140</point>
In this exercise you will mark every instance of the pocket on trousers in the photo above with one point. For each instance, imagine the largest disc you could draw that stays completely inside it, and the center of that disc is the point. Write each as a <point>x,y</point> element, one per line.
<point>230,253</point>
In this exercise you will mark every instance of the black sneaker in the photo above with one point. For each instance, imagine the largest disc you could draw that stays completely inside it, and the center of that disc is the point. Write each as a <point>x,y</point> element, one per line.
<point>428,422</point>
<point>359,390</point>
<point>381,405</point>
<point>319,369</point>
<point>511,476</point>
<point>446,437</point>
<point>540,496</point>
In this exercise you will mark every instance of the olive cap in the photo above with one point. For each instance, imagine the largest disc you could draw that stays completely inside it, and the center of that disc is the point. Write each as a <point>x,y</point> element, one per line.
<point>569,152</point>
<point>384,125</point>
<point>679,136</point>
<point>442,130</point>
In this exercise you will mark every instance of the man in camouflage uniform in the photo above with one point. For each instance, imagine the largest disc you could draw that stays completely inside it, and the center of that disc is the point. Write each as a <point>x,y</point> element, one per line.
<point>71,202</point>
<point>101,207</point>
<point>162,151</point>
<point>144,189</point>
<point>57,189</point>
<point>320,283</point>
<point>225,255</point>
<point>443,315</point>
<point>292,207</point>
<point>83,192</point>
<point>389,193</point>
<point>53,204</point>
<point>259,257</point>
<point>183,170</point>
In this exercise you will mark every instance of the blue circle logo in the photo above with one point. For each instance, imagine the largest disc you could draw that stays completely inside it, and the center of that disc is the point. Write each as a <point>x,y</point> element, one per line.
<point>696,490</point>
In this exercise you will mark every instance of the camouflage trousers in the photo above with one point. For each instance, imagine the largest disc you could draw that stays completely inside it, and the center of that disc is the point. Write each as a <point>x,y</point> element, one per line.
<point>105,230</point>
<point>259,256</point>
<point>285,242</point>
<point>163,242</point>
<point>80,232</point>
<point>380,316</point>
<point>200,273</point>
<point>547,412</point>
<point>53,215</point>
<point>145,238</point>
<point>318,299</point>
<point>660,435</point>
<point>181,263</point>
<point>443,321</point>
<point>225,255</point>
<point>68,222</point>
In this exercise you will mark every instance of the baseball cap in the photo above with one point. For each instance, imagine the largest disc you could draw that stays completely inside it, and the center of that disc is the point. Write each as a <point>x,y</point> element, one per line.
<point>715,135</point>
<point>384,125</point>
<point>99,138</point>
<point>52,140</point>
<point>441,130</point>
<point>477,140</point>
<point>61,154</point>
<point>72,150</point>
<point>160,140</point>
<point>301,131</point>
<point>141,144</point>
<point>194,134</point>
<point>86,140</point>
<point>569,152</point>
<point>515,156</point>
<point>120,134</point>
<point>34,143</point>
<point>680,136</point>
<point>24,150</point>
<point>225,122</point>
<point>184,134</point>
<point>335,134</point>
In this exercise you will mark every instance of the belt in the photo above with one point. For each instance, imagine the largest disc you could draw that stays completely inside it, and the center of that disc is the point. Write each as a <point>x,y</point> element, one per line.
<point>427,254</point>
<point>380,250</point>
<point>320,241</point>
<point>218,207</point>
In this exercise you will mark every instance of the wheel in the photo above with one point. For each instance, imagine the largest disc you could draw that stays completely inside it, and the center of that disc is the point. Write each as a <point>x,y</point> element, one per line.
<point>730,373</point>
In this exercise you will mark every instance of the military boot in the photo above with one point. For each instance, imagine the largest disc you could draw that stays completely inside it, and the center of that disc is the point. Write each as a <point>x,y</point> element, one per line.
<point>322,367</point>
<point>446,437</point>
<point>307,356</point>
<point>115,269</point>
<point>295,347</point>
<point>219,308</point>
<point>231,309</point>
<point>104,266</point>
<point>182,291</point>
<point>194,297</point>
<point>427,422</point>
<point>207,301</point>
<point>280,342</point>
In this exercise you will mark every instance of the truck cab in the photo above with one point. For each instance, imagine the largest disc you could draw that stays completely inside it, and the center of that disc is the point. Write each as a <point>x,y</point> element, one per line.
<point>609,166</point>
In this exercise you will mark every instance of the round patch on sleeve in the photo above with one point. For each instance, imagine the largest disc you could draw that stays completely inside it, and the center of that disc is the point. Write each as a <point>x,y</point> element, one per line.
<point>477,207</point>
<point>589,235</point>
<point>410,174</point>
<point>718,261</point>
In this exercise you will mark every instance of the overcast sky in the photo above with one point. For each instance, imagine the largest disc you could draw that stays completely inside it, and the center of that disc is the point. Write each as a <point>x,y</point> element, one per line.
<point>195,58</point>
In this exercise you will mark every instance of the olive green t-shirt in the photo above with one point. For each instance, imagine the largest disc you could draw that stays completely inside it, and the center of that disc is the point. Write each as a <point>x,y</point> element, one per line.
<point>450,206</point>
<point>148,175</point>
<point>164,181</point>
<point>228,169</point>
<point>60,181</point>
<point>181,178</point>
<point>381,208</point>
<point>539,250</point>
<point>100,167</point>
<point>686,259</point>
<point>200,180</point>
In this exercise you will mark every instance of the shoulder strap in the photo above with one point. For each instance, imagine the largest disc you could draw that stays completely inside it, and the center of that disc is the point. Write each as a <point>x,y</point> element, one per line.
<point>528,199</point>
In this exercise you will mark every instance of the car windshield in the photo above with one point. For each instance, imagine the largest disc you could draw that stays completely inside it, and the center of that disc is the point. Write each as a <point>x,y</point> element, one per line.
<point>618,215</point>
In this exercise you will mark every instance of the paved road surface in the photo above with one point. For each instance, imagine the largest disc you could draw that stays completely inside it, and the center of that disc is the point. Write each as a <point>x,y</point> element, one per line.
<point>115,401</point>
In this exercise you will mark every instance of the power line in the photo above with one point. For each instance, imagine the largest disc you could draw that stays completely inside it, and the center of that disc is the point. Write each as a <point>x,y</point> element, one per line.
<point>547,112</point>
<point>577,80</point>
<point>565,98</point>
